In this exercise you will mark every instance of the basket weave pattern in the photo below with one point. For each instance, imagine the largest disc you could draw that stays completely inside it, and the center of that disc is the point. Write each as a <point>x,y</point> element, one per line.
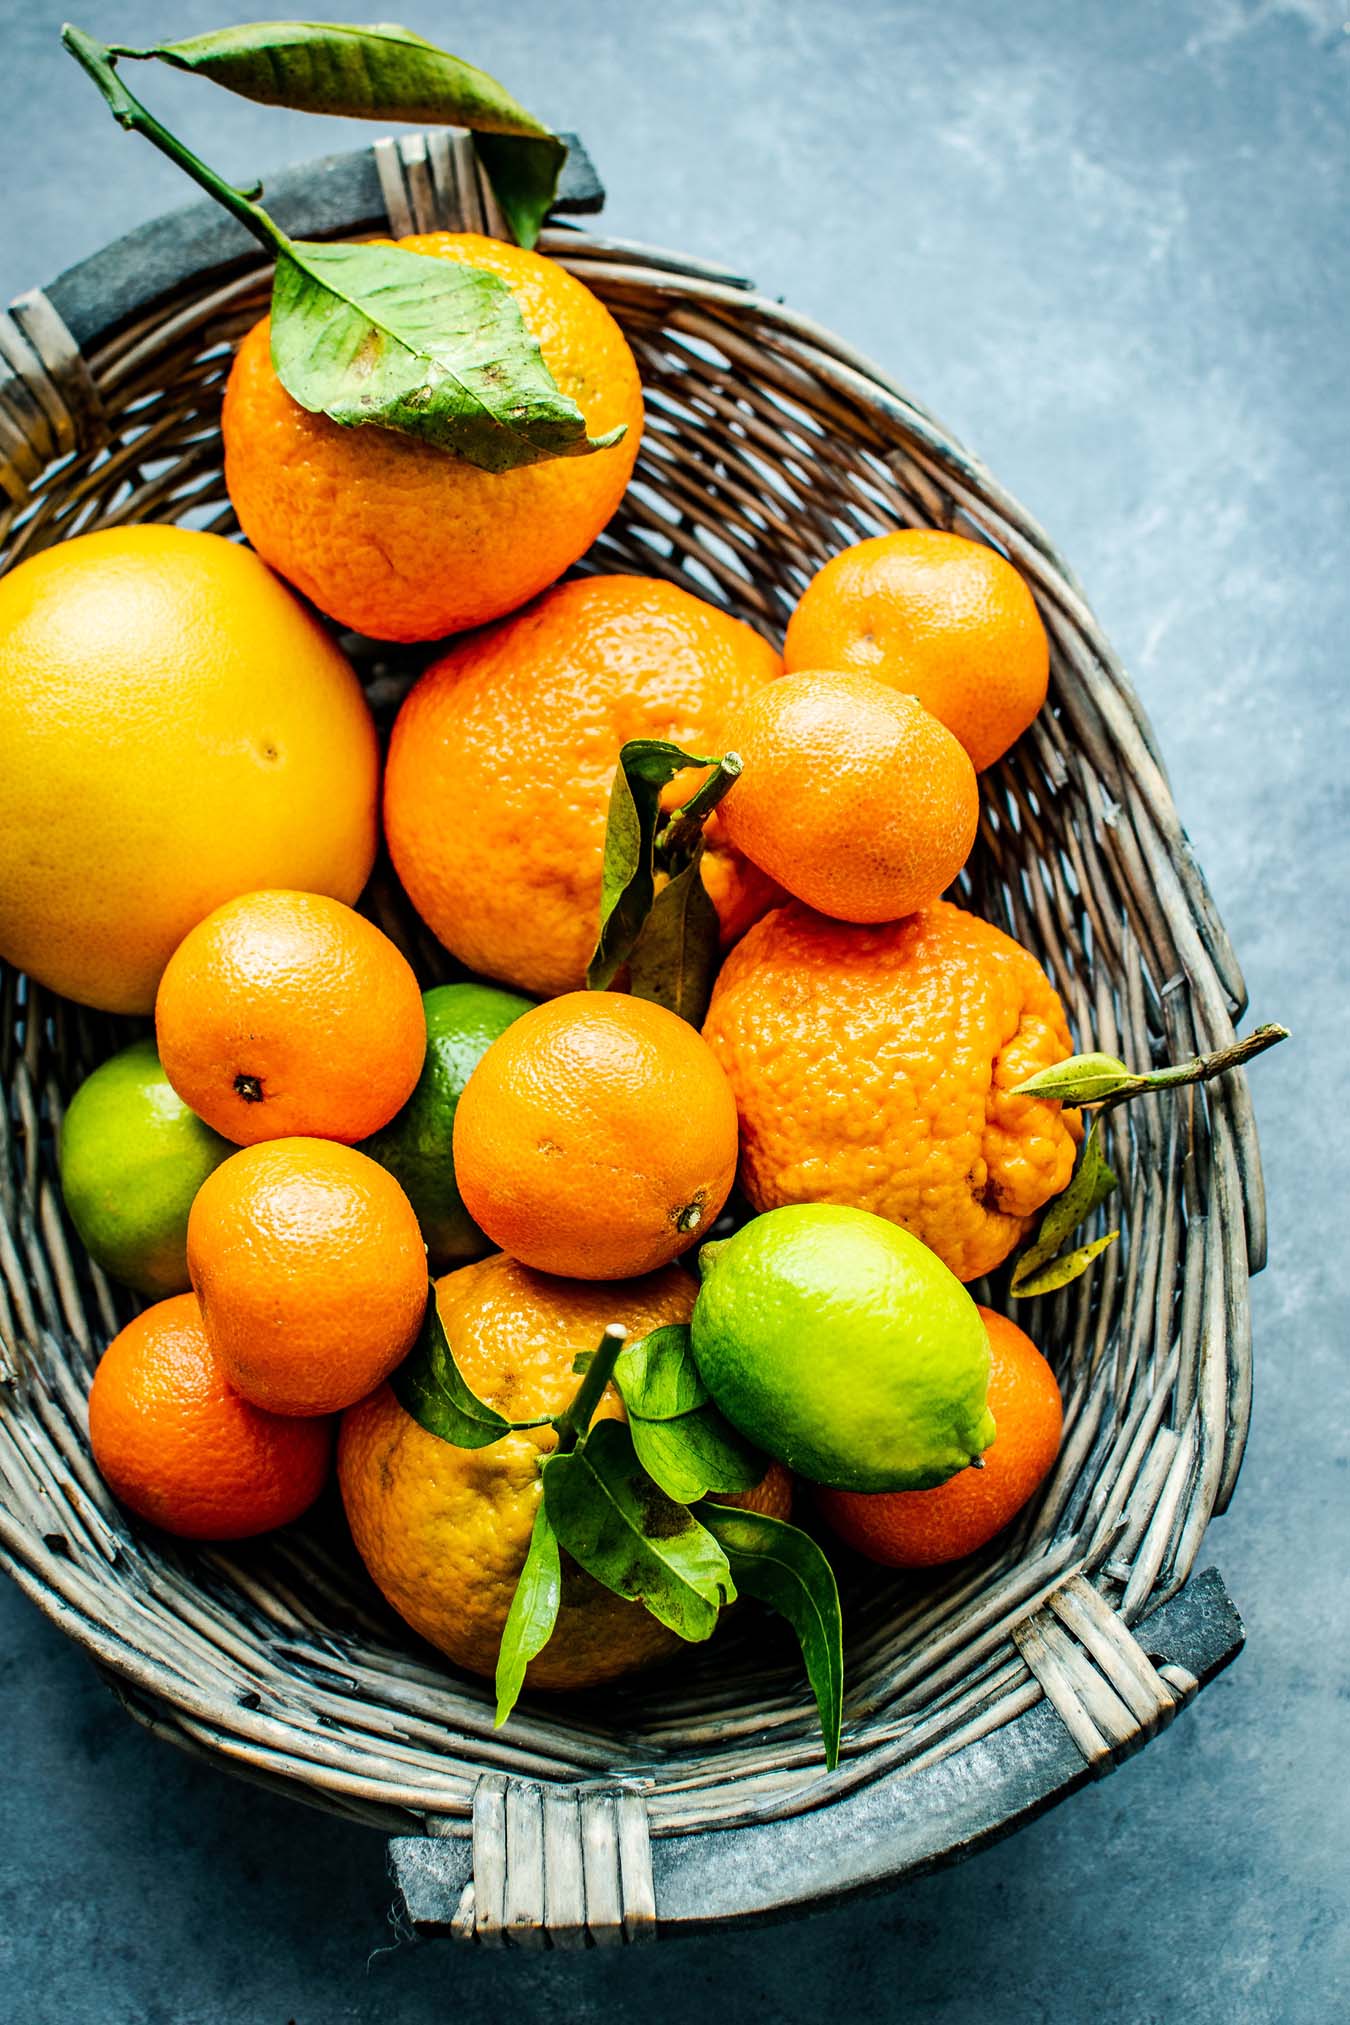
<point>769,446</point>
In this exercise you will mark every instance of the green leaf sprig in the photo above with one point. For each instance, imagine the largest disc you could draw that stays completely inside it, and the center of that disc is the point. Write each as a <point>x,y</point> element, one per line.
<point>1101,1079</point>
<point>1042,1268</point>
<point>376,334</point>
<point>656,917</point>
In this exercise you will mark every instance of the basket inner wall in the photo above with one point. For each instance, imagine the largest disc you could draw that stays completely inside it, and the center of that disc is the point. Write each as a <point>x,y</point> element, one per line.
<point>768,447</point>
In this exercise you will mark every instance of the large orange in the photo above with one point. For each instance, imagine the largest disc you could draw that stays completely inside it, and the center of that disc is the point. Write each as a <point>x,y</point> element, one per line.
<point>177,1443</point>
<point>923,1529</point>
<point>596,1138</point>
<point>501,762</point>
<point>406,542</point>
<point>287,1014</point>
<point>852,796</point>
<point>875,1066</point>
<point>310,1268</point>
<point>444,1530</point>
<point>176,728</point>
<point>945,619</point>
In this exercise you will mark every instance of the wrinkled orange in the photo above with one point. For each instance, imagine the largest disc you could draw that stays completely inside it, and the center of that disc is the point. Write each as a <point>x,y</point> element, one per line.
<point>177,1443</point>
<point>287,1014</point>
<point>942,618</point>
<point>403,541</point>
<point>310,1268</point>
<point>924,1529</point>
<point>176,729</point>
<point>852,796</point>
<point>444,1530</point>
<point>596,1138</point>
<point>501,762</point>
<point>874,1067</point>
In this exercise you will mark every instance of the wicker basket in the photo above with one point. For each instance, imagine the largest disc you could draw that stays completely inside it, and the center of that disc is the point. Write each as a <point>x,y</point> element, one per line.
<point>697,1795</point>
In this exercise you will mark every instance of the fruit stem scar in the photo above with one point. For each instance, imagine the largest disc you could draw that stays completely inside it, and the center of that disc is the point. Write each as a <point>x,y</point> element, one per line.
<point>690,1217</point>
<point>249,1088</point>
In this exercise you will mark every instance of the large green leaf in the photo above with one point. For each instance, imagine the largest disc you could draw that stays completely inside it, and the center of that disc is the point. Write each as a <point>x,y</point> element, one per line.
<point>696,1453</point>
<point>674,960</point>
<point>628,875</point>
<point>383,72</point>
<point>657,1376</point>
<point>533,1613</point>
<point>783,1567</point>
<point>624,1531</point>
<point>428,347</point>
<point>1093,1181</point>
<point>430,1386</point>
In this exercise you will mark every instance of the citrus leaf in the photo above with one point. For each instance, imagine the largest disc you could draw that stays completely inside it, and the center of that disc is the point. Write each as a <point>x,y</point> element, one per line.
<point>628,875</point>
<point>383,72</point>
<point>781,1566</point>
<point>674,959</point>
<point>1089,1187</point>
<point>657,1376</point>
<point>696,1453</point>
<point>1082,1079</point>
<point>533,1613</point>
<point>430,1386</point>
<point>427,347</point>
<point>1062,1270</point>
<point>614,1521</point>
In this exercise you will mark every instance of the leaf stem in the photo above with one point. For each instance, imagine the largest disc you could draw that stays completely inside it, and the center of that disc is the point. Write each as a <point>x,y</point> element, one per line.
<point>1203,1068</point>
<point>101,65</point>
<point>686,825</point>
<point>574,1420</point>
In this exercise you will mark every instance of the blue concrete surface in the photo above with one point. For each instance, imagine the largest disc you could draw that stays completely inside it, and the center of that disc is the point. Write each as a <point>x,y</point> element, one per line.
<point>1110,245</point>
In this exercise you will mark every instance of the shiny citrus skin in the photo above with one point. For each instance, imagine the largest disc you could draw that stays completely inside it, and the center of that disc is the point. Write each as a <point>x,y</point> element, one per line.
<point>176,1443</point>
<point>842,1346</point>
<point>852,795</point>
<point>923,1529</point>
<point>288,1014</point>
<point>942,618</point>
<point>177,728</point>
<point>462,1022</point>
<point>132,1157</point>
<point>311,1273</point>
<point>875,1067</point>
<point>444,1530</point>
<point>596,1138</point>
<point>502,758</point>
<point>406,542</point>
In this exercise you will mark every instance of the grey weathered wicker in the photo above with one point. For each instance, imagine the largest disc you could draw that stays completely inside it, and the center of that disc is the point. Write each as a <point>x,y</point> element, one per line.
<point>698,1794</point>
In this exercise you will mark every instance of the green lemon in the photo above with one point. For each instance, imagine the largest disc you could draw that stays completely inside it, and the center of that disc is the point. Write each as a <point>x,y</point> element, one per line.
<point>841,1345</point>
<point>132,1158</point>
<point>463,1020</point>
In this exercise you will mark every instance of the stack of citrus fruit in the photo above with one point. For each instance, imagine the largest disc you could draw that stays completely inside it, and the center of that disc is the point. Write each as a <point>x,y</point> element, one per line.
<point>187,823</point>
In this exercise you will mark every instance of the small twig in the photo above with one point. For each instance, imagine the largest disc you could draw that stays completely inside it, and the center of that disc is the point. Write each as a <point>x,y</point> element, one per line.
<point>685,827</point>
<point>1204,1068</point>
<point>574,1420</point>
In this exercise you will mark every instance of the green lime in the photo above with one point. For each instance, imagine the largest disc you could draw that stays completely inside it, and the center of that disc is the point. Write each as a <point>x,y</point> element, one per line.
<point>838,1343</point>
<point>132,1158</point>
<point>463,1020</point>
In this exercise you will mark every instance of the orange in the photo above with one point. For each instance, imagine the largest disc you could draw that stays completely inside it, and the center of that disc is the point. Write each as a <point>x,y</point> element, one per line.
<point>874,1067</point>
<point>286,1014</point>
<point>502,758</point>
<point>406,542</point>
<point>852,796</point>
<point>176,729</point>
<point>444,1530</point>
<point>945,619</point>
<point>310,1268</point>
<point>596,1138</point>
<point>922,1529</point>
<point>175,1441</point>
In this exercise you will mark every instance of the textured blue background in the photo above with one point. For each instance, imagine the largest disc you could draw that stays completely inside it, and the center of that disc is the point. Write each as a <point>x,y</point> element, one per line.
<point>1109,244</point>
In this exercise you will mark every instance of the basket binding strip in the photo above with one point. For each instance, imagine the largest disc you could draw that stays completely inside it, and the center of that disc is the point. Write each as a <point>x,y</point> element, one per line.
<point>769,445</point>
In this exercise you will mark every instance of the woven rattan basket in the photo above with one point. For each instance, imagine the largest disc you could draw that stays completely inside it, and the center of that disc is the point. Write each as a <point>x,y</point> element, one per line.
<point>698,1795</point>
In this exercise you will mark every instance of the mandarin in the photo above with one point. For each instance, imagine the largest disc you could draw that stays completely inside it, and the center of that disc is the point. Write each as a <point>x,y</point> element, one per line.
<point>497,789</point>
<point>924,1529</point>
<point>852,796</point>
<point>444,1530</point>
<point>875,1067</point>
<point>596,1138</point>
<point>310,1268</point>
<point>403,541</point>
<point>177,1443</point>
<point>947,620</point>
<point>288,1014</point>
